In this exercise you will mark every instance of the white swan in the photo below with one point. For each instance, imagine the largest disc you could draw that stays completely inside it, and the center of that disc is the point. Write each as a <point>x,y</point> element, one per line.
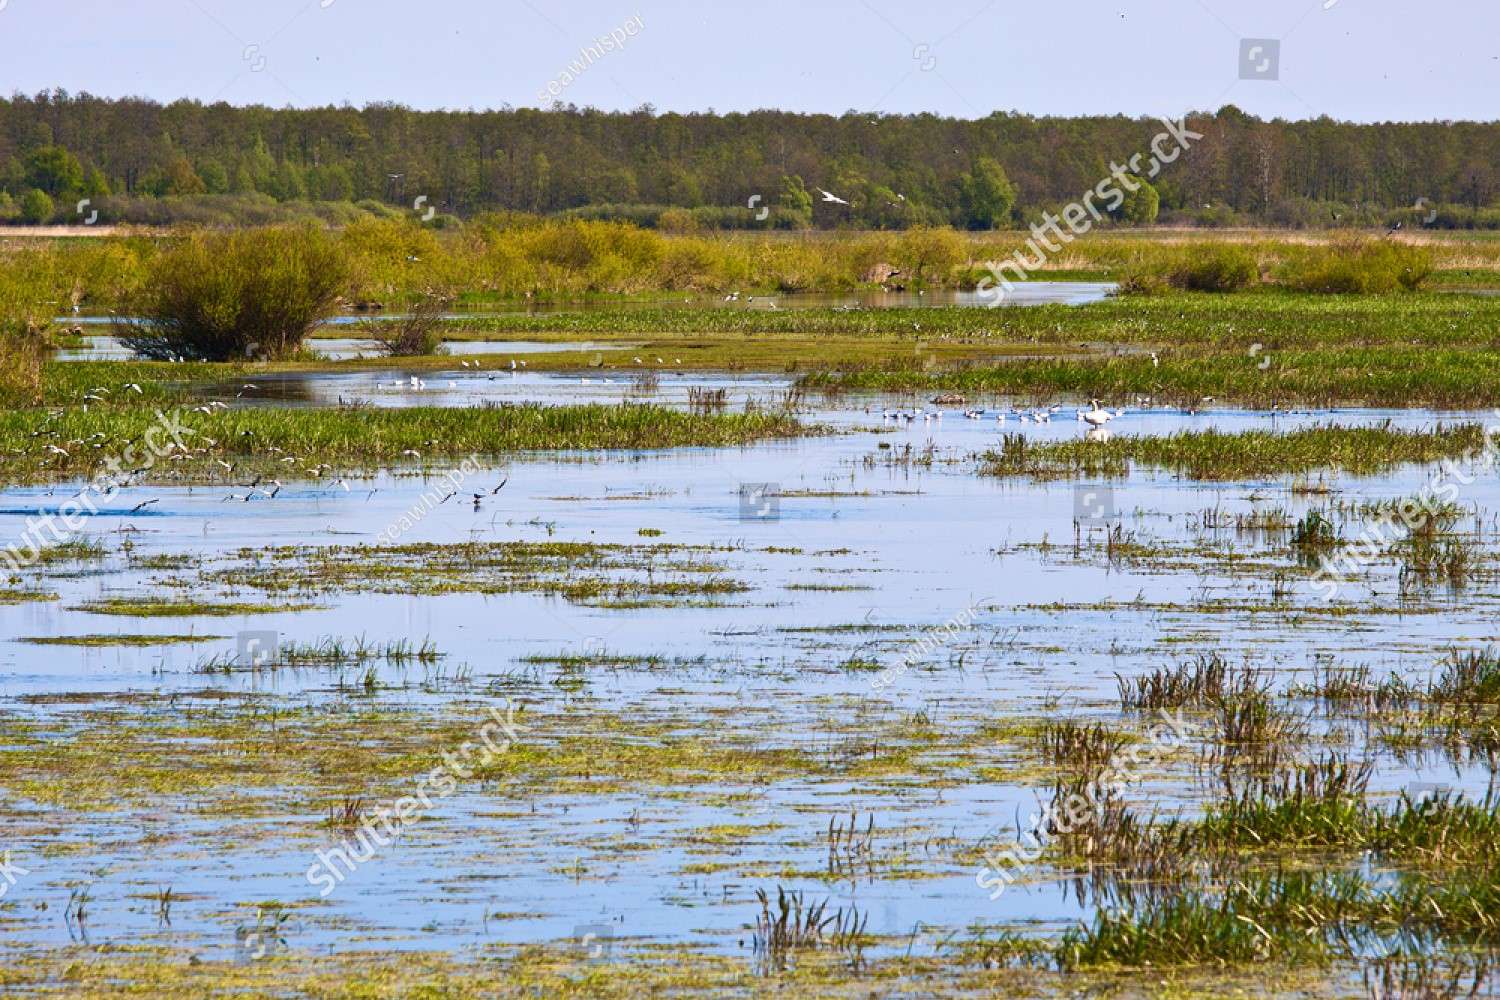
<point>1097,417</point>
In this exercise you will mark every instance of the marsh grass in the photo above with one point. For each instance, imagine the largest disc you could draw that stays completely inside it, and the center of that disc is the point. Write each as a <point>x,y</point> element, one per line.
<point>1468,676</point>
<point>1085,749</point>
<point>1247,455</point>
<point>794,925</point>
<point>1198,682</point>
<point>363,439</point>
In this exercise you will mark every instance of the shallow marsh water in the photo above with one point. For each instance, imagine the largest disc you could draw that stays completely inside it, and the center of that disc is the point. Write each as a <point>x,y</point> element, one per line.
<point>891,549</point>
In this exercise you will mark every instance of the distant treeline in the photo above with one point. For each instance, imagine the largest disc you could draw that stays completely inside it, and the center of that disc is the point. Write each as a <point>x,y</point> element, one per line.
<point>139,161</point>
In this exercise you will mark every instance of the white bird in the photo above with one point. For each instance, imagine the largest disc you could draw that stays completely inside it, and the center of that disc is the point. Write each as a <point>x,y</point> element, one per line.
<point>1097,417</point>
<point>1155,362</point>
<point>829,196</point>
<point>132,386</point>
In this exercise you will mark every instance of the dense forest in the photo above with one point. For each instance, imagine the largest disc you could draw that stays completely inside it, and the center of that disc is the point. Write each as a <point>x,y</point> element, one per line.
<point>137,160</point>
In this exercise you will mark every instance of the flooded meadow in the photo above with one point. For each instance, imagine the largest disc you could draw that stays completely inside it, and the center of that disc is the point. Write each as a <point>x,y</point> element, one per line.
<point>618,704</point>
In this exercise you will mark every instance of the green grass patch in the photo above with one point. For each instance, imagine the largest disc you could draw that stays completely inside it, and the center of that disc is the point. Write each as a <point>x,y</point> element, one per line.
<point>1220,455</point>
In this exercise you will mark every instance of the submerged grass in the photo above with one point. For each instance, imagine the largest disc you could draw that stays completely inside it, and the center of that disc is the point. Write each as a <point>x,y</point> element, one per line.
<point>119,640</point>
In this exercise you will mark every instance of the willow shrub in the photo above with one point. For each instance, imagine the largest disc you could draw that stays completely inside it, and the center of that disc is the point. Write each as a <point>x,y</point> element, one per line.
<point>1357,267</point>
<point>219,296</point>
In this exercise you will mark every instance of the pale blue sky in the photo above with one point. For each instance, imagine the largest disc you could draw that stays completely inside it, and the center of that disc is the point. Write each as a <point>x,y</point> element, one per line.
<point>1363,59</point>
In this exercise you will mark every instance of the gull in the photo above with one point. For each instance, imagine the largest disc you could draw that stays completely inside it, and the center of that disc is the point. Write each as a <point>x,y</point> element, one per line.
<point>830,197</point>
<point>144,503</point>
<point>412,452</point>
<point>227,466</point>
<point>134,387</point>
<point>56,450</point>
<point>638,361</point>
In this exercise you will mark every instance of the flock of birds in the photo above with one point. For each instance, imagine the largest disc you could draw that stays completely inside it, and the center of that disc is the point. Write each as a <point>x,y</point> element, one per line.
<point>1095,416</point>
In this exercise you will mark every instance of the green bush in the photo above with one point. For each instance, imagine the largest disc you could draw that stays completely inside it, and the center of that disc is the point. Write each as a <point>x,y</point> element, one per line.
<point>1222,268</point>
<point>36,207</point>
<point>1219,269</point>
<point>1357,267</point>
<point>222,296</point>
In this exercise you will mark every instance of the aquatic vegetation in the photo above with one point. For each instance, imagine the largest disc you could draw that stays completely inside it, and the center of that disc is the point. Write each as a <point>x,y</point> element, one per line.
<point>120,640</point>
<point>1199,682</point>
<point>576,571</point>
<point>149,607</point>
<point>796,926</point>
<point>1085,749</point>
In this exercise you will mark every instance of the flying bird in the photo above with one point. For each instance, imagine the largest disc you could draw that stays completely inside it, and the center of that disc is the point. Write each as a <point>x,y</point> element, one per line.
<point>829,196</point>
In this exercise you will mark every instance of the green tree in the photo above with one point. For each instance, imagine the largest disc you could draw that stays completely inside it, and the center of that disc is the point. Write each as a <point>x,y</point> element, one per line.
<point>95,184</point>
<point>182,178</point>
<point>986,196</point>
<point>54,170</point>
<point>795,196</point>
<point>1140,206</point>
<point>215,177</point>
<point>36,207</point>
